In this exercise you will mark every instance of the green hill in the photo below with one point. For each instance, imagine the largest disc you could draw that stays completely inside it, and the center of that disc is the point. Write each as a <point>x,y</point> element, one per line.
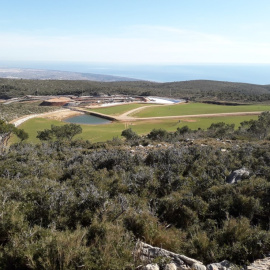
<point>199,90</point>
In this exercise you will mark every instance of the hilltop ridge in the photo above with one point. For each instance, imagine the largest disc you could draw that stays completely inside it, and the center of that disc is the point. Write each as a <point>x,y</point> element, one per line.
<point>196,90</point>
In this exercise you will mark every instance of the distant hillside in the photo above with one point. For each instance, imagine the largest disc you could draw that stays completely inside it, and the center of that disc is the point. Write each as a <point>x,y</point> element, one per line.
<point>199,90</point>
<point>218,90</point>
<point>40,74</point>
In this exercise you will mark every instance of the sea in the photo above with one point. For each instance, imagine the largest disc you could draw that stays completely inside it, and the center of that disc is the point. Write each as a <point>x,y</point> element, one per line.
<point>244,73</point>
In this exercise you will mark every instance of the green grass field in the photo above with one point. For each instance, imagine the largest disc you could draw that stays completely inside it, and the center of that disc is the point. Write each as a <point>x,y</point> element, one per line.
<point>119,109</point>
<point>197,108</point>
<point>99,133</point>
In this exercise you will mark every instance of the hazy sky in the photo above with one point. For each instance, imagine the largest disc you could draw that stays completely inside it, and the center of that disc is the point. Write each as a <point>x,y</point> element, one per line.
<point>136,31</point>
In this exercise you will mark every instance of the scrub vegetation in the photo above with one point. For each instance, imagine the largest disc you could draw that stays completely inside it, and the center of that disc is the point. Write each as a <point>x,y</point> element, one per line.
<point>74,204</point>
<point>79,197</point>
<point>15,110</point>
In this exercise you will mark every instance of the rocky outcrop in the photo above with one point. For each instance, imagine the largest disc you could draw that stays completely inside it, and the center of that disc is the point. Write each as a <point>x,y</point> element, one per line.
<point>224,265</point>
<point>237,175</point>
<point>170,266</point>
<point>151,267</point>
<point>263,264</point>
<point>147,253</point>
<point>197,266</point>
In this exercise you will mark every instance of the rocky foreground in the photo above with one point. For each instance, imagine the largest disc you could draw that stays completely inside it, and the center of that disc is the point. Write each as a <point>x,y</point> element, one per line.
<point>158,258</point>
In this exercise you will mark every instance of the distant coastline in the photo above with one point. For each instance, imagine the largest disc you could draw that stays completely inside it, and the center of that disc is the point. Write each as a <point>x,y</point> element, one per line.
<point>244,73</point>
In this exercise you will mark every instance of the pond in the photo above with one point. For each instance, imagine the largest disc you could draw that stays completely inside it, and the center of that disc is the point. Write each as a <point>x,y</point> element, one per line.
<point>87,119</point>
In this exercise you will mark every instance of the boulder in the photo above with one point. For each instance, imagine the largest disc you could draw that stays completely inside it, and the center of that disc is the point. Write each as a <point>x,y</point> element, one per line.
<point>151,267</point>
<point>237,175</point>
<point>147,253</point>
<point>198,266</point>
<point>260,264</point>
<point>224,265</point>
<point>170,266</point>
<point>212,266</point>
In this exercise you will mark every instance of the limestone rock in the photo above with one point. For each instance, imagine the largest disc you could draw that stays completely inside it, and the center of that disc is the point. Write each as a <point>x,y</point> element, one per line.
<point>261,264</point>
<point>224,265</point>
<point>151,267</point>
<point>212,267</point>
<point>170,266</point>
<point>198,266</point>
<point>148,253</point>
<point>237,175</point>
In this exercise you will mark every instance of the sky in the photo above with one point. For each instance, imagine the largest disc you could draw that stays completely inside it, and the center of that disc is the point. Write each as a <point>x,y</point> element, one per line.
<point>135,31</point>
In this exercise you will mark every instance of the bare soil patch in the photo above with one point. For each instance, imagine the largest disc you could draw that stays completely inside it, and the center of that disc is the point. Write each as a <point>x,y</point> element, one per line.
<point>55,115</point>
<point>61,115</point>
<point>183,117</point>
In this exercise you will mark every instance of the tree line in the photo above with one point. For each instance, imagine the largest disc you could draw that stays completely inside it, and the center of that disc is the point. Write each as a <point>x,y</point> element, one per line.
<point>198,90</point>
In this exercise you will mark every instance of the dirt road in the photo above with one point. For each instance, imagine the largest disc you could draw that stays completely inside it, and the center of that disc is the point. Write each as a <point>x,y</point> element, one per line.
<point>129,118</point>
<point>129,113</point>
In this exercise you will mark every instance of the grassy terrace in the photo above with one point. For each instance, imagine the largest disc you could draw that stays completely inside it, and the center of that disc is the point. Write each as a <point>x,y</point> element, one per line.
<point>197,108</point>
<point>99,133</point>
<point>119,109</point>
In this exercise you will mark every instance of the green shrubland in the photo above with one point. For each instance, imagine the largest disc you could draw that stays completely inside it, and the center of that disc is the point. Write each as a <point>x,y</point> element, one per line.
<point>199,90</point>
<point>73,204</point>
<point>15,110</point>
